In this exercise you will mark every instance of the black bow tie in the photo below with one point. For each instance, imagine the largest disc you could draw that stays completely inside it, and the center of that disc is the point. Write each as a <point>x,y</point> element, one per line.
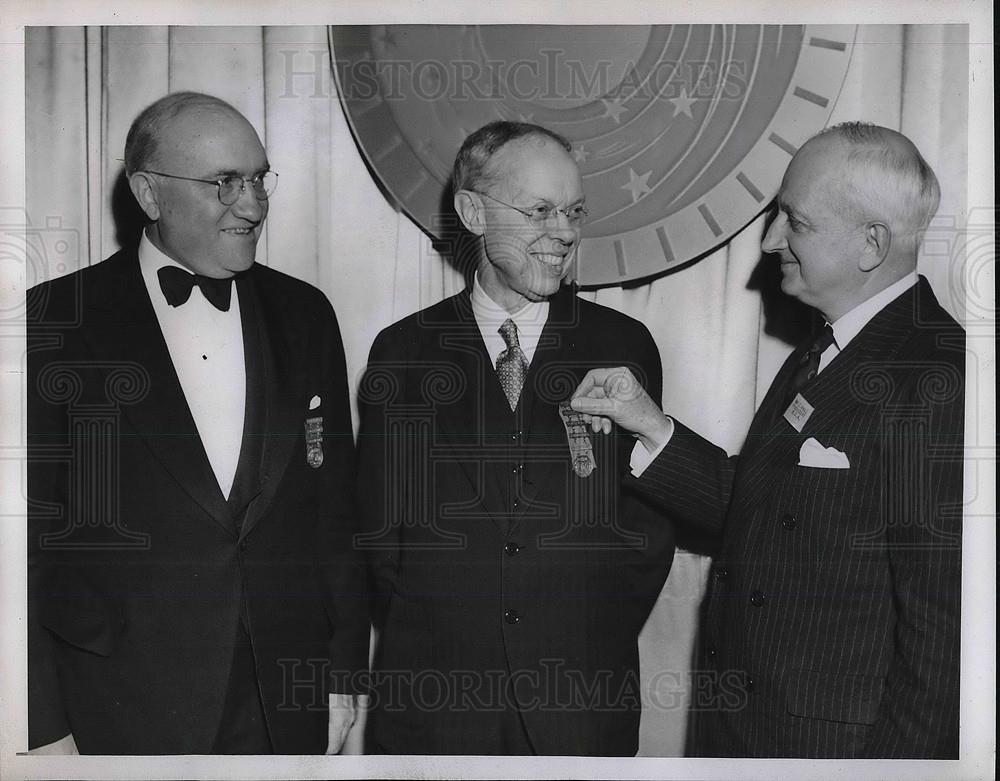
<point>176,284</point>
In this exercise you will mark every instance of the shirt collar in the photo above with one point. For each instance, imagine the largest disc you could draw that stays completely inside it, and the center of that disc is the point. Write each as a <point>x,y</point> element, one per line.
<point>849,325</point>
<point>530,321</point>
<point>489,313</point>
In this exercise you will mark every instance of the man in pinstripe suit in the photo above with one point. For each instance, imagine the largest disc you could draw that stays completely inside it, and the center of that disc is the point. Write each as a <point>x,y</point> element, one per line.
<point>832,623</point>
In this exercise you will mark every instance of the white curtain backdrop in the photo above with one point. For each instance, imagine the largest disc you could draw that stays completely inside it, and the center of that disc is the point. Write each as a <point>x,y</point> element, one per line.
<point>330,225</point>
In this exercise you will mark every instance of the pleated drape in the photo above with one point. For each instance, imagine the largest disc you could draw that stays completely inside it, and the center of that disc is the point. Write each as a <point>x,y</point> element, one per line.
<point>721,332</point>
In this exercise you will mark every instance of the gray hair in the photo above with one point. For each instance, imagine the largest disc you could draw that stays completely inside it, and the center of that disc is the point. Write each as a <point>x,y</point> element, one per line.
<point>887,178</point>
<point>142,142</point>
<point>474,168</point>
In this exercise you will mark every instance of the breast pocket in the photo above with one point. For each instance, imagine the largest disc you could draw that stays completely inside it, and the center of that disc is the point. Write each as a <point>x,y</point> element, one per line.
<point>822,479</point>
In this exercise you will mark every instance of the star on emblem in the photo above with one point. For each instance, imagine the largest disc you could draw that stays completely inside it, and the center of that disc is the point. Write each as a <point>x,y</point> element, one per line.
<point>682,103</point>
<point>580,154</point>
<point>613,109</point>
<point>638,185</point>
<point>526,117</point>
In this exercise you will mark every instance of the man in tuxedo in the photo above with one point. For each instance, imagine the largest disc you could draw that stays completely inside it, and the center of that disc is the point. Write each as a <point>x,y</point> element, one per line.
<point>512,576</point>
<point>832,623</point>
<point>192,585</point>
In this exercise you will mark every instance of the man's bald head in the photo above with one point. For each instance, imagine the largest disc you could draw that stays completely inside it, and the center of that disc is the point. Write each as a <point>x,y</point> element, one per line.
<point>884,179</point>
<point>144,137</point>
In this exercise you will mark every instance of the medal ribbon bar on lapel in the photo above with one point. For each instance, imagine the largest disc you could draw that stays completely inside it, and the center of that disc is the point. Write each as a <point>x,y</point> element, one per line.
<point>314,442</point>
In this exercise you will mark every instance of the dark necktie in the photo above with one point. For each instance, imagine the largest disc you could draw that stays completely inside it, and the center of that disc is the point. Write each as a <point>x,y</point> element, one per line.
<point>808,366</point>
<point>176,284</point>
<point>512,366</point>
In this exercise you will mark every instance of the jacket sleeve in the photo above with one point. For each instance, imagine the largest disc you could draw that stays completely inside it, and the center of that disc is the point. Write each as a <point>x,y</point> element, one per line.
<point>922,519</point>
<point>47,479</point>
<point>343,563</point>
<point>380,502</point>
<point>691,480</point>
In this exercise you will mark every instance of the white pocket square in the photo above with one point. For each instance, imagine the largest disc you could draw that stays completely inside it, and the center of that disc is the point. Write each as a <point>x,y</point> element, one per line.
<point>314,402</point>
<point>813,454</point>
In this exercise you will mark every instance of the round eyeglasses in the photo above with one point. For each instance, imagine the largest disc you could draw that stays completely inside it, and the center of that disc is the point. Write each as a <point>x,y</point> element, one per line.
<point>541,214</point>
<point>232,187</point>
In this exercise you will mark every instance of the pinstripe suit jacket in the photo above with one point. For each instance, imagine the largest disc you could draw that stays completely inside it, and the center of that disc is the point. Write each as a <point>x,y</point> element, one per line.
<point>832,623</point>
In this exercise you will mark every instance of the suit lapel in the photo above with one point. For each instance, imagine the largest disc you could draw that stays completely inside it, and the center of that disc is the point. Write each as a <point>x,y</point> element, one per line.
<point>861,363</point>
<point>122,328</point>
<point>473,426</point>
<point>545,386</point>
<point>772,443</point>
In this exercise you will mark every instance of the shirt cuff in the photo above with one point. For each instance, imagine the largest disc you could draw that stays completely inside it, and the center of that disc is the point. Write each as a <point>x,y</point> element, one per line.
<point>641,457</point>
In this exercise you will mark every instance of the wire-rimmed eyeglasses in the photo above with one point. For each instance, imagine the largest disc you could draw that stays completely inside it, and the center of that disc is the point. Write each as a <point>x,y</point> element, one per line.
<point>541,214</point>
<point>232,187</point>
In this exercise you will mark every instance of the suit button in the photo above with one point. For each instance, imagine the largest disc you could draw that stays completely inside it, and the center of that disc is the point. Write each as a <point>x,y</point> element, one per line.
<point>511,617</point>
<point>512,548</point>
<point>757,598</point>
<point>748,684</point>
<point>721,574</point>
<point>789,521</point>
<point>712,654</point>
<point>243,545</point>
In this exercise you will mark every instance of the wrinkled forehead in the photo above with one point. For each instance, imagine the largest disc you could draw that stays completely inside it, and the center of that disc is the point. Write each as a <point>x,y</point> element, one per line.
<point>538,167</point>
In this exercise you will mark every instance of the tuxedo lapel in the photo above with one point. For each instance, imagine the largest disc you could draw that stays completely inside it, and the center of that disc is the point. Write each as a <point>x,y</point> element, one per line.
<point>247,480</point>
<point>122,329</point>
<point>281,381</point>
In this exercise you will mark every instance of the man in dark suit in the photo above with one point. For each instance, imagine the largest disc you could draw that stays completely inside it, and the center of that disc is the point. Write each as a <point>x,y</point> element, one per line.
<point>513,577</point>
<point>832,626</point>
<point>192,585</point>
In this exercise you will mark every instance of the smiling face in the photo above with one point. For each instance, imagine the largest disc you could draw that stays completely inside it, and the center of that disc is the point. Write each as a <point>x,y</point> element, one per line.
<point>190,224</point>
<point>815,235</point>
<point>524,262</point>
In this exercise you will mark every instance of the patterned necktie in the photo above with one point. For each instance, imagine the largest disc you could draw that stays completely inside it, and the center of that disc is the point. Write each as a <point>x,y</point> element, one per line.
<point>176,284</point>
<point>809,361</point>
<point>512,366</point>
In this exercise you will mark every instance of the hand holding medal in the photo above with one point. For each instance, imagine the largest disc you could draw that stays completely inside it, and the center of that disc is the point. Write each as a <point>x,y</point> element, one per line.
<point>614,395</point>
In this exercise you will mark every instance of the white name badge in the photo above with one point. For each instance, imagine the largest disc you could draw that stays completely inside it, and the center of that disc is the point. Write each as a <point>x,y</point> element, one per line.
<point>798,412</point>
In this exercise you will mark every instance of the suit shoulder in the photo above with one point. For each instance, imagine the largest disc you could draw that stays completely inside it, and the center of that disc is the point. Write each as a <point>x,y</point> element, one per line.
<point>411,327</point>
<point>614,325</point>
<point>935,332</point>
<point>292,295</point>
<point>274,282</point>
<point>601,313</point>
<point>62,298</point>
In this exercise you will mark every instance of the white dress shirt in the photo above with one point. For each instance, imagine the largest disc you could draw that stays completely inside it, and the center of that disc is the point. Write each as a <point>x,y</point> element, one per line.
<point>846,327</point>
<point>530,320</point>
<point>206,349</point>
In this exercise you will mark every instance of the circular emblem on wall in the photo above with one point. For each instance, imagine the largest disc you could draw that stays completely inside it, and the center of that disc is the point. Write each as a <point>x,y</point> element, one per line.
<point>682,132</point>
